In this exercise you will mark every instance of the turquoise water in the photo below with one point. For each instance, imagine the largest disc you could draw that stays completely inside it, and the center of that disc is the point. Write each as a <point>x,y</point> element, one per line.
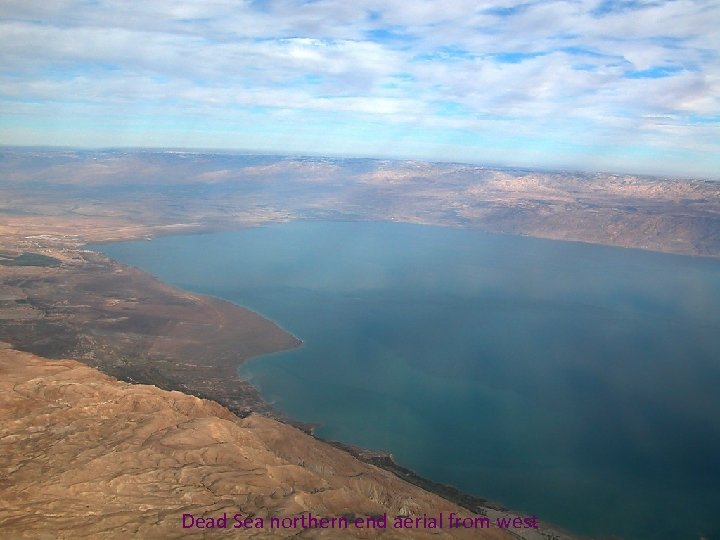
<point>578,383</point>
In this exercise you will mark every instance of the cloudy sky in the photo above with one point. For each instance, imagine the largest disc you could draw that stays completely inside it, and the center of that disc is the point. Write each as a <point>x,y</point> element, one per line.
<point>616,85</point>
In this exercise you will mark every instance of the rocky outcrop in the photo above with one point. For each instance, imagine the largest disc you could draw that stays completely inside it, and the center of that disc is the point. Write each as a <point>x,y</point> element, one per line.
<point>85,456</point>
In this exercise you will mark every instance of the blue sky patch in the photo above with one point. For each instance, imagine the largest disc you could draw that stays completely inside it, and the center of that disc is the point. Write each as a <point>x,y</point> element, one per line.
<point>388,35</point>
<point>657,72</point>
<point>607,7</point>
<point>451,108</point>
<point>506,11</point>
<point>515,57</point>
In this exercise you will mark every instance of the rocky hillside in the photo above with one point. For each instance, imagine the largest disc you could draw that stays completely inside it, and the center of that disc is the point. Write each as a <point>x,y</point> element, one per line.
<point>86,456</point>
<point>107,195</point>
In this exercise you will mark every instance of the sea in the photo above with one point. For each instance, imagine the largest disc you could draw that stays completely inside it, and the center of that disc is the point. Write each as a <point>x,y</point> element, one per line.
<point>579,383</point>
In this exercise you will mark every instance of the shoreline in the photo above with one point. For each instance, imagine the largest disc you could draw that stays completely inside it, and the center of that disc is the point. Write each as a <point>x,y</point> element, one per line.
<point>128,324</point>
<point>217,377</point>
<point>227,388</point>
<point>380,458</point>
<point>98,457</point>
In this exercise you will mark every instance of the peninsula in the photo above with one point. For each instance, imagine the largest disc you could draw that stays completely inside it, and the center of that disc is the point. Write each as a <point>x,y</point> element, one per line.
<point>61,301</point>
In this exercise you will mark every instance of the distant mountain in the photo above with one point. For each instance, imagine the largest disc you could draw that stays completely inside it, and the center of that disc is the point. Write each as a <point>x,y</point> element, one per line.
<point>160,192</point>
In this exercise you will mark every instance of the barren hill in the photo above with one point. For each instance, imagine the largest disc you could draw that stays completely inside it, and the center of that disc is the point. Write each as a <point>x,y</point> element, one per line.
<point>117,194</point>
<point>85,456</point>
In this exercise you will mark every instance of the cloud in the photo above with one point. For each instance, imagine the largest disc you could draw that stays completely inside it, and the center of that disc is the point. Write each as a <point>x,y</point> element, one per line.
<point>543,69</point>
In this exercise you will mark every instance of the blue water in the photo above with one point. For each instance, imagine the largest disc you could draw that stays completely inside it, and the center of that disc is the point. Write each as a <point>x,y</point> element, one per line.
<point>579,383</point>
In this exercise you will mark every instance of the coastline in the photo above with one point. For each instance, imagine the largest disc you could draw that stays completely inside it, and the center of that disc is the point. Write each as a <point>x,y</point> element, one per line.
<point>50,215</point>
<point>88,456</point>
<point>380,458</point>
<point>131,326</point>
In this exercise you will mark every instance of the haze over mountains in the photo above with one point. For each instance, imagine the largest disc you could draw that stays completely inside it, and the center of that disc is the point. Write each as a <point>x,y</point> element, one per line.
<point>61,301</point>
<point>626,86</point>
<point>607,85</point>
<point>147,192</point>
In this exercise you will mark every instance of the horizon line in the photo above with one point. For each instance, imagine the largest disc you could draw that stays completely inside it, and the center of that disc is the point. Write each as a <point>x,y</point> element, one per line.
<point>266,152</point>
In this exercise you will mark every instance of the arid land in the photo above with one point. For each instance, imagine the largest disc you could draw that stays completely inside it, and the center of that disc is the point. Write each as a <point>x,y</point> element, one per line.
<point>85,456</point>
<point>121,194</point>
<point>60,301</point>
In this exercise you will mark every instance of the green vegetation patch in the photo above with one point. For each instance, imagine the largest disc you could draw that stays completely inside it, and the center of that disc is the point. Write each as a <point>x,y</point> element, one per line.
<point>30,259</point>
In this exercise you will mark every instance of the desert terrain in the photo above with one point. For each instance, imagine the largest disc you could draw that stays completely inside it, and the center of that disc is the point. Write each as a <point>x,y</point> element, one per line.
<point>86,456</point>
<point>127,324</point>
<point>96,196</point>
<point>94,457</point>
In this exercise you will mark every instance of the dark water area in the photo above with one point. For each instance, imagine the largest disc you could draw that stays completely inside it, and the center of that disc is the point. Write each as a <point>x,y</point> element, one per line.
<point>579,383</point>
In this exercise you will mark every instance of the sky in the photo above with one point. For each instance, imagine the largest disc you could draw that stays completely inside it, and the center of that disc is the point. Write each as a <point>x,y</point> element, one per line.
<point>601,85</point>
